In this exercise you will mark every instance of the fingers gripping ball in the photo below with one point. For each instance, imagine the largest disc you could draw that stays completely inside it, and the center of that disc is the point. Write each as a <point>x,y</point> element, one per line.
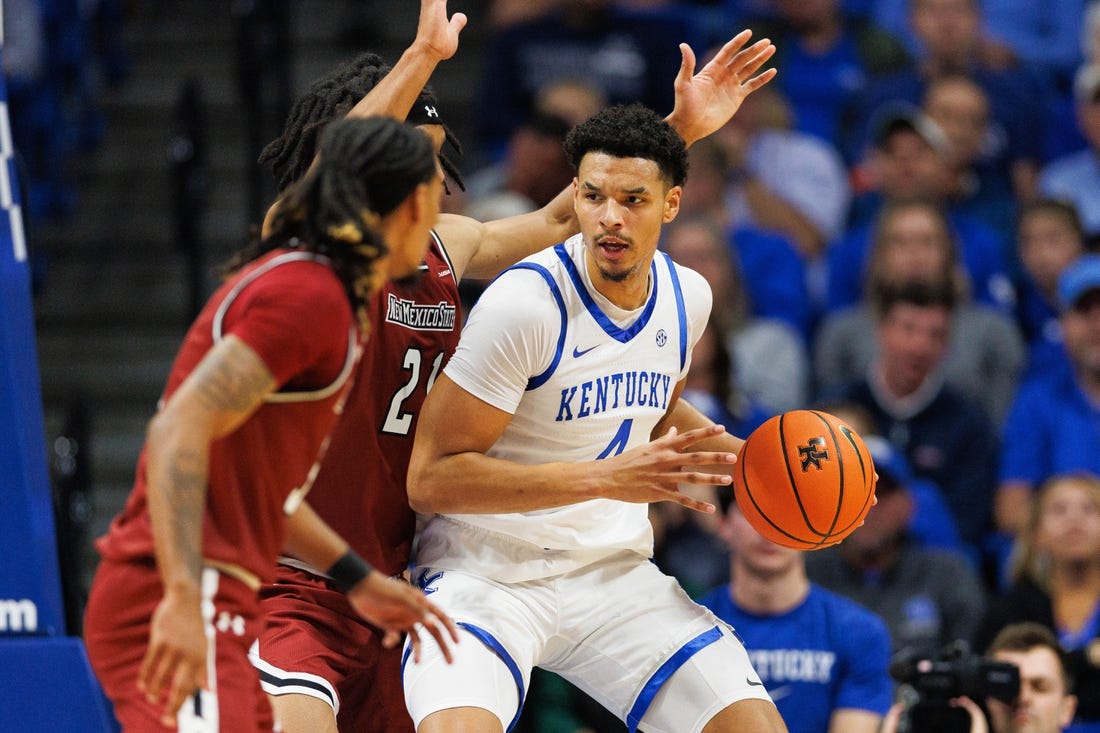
<point>804,480</point>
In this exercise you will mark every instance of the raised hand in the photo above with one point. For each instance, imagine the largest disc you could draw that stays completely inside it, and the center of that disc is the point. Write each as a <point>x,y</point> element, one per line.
<point>396,607</point>
<point>654,471</point>
<point>175,662</point>
<point>435,31</point>
<point>707,100</point>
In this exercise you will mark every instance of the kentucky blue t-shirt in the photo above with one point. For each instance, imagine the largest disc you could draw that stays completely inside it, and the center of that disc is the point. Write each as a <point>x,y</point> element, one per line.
<point>826,654</point>
<point>1051,428</point>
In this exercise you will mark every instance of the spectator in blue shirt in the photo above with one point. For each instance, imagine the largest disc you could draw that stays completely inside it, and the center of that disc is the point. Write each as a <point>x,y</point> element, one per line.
<point>1054,424</point>
<point>910,162</point>
<point>825,60</point>
<point>822,657</point>
<point>630,55</point>
<point>950,41</point>
<point>1076,176</point>
<point>1048,239</point>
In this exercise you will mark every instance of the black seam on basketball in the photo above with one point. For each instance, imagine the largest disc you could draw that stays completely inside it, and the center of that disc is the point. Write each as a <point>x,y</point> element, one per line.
<point>867,494</point>
<point>840,470</point>
<point>794,486</point>
<point>742,460</point>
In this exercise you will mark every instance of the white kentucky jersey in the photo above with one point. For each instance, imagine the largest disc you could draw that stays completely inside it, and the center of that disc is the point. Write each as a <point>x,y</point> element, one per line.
<point>583,380</point>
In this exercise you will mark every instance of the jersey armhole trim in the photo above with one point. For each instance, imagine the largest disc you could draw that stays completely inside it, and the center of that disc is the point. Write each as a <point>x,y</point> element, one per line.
<point>539,379</point>
<point>223,308</point>
<point>443,253</point>
<point>681,309</point>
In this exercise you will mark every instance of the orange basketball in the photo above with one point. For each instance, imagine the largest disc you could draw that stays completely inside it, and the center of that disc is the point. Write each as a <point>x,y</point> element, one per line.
<point>804,480</point>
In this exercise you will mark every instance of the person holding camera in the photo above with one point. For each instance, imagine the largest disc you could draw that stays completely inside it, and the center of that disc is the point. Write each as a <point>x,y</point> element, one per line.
<point>1056,583</point>
<point>1044,704</point>
<point>892,723</point>
<point>1024,681</point>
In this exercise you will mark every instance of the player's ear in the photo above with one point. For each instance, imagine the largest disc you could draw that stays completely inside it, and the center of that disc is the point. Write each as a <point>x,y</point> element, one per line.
<point>420,203</point>
<point>672,203</point>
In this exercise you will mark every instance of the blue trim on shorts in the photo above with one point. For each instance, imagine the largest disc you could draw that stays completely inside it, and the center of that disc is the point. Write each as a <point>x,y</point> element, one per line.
<point>497,648</point>
<point>666,670</point>
<point>490,641</point>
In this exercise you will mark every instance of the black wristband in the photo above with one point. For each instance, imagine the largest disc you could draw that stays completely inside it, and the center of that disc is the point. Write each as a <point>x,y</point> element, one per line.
<point>348,570</point>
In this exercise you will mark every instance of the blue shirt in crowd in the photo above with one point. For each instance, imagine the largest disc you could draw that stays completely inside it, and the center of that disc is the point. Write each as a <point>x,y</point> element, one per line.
<point>827,653</point>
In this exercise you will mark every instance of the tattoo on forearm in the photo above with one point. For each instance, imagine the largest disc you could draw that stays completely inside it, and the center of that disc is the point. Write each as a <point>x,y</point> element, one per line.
<point>185,498</point>
<point>231,383</point>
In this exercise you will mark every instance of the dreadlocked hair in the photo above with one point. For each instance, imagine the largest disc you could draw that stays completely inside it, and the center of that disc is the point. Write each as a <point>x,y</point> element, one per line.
<point>329,98</point>
<point>366,169</point>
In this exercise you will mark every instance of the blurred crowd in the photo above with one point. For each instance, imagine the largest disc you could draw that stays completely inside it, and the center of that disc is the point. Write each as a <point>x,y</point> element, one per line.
<point>58,57</point>
<point>902,229</point>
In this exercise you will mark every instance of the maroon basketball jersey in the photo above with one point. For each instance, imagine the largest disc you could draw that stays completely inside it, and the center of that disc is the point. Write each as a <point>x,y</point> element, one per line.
<point>360,489</point>
<point>291,309</point>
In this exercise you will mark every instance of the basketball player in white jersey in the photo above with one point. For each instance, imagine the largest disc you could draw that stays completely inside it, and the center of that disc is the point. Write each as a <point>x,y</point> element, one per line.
<point>538,451</point>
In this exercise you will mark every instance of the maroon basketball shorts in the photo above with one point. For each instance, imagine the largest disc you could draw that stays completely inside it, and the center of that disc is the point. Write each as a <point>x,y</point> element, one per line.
<point>313,643</point>
<point>116,632</point>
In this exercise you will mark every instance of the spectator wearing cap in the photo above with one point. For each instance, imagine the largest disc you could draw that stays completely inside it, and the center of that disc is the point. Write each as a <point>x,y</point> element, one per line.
<point>928,596</point>
<point>1076,177</point>
<point>911,162</point>
<point>1053,425</point>
<point>950,38</point>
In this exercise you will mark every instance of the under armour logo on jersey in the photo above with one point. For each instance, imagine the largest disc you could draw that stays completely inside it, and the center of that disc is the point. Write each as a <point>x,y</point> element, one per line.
<point>429,110</point>
<point>811,455</point>
<point>662,337</point>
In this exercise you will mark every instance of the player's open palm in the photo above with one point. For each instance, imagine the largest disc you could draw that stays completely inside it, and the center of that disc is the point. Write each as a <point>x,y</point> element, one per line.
<point>396,607</point>
<point>654,471</point>
<point>436,30</point>
<point>706,101</point>
<point>175,662</point>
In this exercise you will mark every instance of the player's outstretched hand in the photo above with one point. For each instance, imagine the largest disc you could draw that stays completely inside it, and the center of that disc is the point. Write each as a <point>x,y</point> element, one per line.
<point>396,607</point>
<point>707,100</point>
<point>175,662</point>
<point>654,471</point>
<point>436,31</point>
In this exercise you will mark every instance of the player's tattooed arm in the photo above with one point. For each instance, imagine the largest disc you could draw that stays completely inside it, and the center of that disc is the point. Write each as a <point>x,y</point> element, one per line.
<point>227,386</point>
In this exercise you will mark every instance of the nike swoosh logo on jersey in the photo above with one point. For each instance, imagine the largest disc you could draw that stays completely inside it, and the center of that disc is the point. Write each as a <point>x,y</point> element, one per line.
<point>577,353</point>
<point>754,683</point>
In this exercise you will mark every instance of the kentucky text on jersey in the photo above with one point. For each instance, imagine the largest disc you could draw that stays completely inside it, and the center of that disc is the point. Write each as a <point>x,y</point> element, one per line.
<point>623,389</point>
<point>439,317</point>
<point>793,665</point>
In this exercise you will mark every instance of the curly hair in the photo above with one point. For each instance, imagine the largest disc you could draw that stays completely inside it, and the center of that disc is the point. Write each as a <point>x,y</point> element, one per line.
<point>329,98</point>
<point>366,169</point>
<point>630,131</point>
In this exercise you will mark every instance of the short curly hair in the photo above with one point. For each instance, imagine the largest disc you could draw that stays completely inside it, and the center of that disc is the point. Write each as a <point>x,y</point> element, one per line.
<point>630,131</point>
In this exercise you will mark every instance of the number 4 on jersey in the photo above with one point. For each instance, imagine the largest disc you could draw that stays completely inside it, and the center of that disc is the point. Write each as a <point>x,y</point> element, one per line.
<point>618,443</point>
